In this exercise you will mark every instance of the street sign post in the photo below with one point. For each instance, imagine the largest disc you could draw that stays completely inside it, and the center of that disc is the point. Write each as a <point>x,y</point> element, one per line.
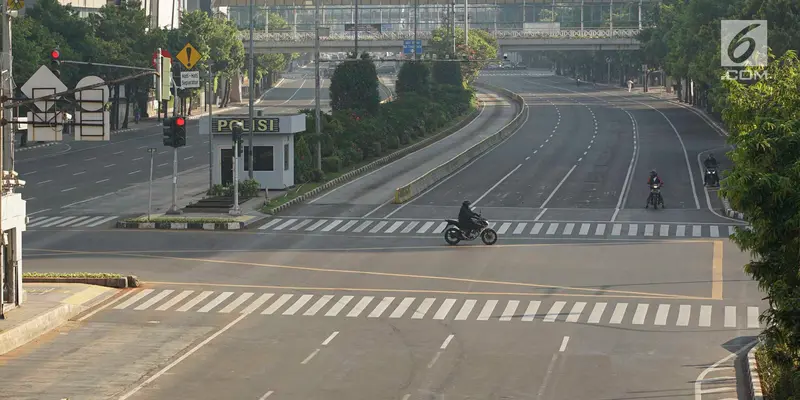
<point>189,56</point>
<point>16,5</point>
<point>190,79</point>
<point>43,124</point>
<point>152,151</point>
<point>92,123</point>
<point>408,46</point>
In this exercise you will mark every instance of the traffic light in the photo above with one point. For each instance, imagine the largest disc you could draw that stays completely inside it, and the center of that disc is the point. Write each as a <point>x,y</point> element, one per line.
<point>179,132</point>
<point>238,137</point>
<point>55,61</point>
<point>168,134</point>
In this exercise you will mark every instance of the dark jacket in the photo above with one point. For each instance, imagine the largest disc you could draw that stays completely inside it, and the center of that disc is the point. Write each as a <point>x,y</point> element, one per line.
<point>710,162</point>
<point>465,216</point>
<point>654,179</point>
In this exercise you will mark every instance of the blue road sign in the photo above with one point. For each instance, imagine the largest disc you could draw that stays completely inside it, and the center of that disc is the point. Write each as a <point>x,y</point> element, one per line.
<point>408,46</point>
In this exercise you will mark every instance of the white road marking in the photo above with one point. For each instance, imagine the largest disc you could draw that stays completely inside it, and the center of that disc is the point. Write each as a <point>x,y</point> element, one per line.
<point>705,316</point>
<point>684,313</point>
<point>67,190</point>
<point>264,397</point>
<point>444,309</point>
<point>61,166</point>
<point>109,165</point>
<point>330,338</point>
<point>102,180</point>
<point>79,173</point>
<point>576,311</point>
<point>520,228</point>
<point>640,314</point>
<point>447,341</point>
<point>175,300</point>
<point>619,313</point>
<point>134,172</point>
<point>547,200</point>
<point>188,158</point>
<point>294,308</point>
<point>661,314</point>
<point>564,344</point>
<point>313,310</point>
<point>730,316</point>
<point>137,159</point>
<point>360,306</point>
<point>402,307</point>
<point>339,306</point>
<point>423,308</point>
<point>597,313</point>
<point>466,309</point>
<point>752,318</point>
<point>236,303</point>
<point>509,311</point>
<point>213,303</point>
<point>310,357</point>
<point>486,312</point>
<point>195,301</point>
<point>381,307</point>
<point>530,313</point>
<point>109,304</point>
<point>277,304</point>
<point>555,310</point>
<point>155,299</point>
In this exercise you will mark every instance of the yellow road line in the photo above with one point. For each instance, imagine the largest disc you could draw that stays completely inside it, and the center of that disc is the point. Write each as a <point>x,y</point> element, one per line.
<point>391,274</point>
<point>429,291</point>
<point>716,279</point>
<point>85,295</point>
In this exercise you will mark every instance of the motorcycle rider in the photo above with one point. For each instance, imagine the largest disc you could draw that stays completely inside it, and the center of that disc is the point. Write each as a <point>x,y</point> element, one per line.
<point>466,218</point>
<point>710,164</point>
<point>654,179</point>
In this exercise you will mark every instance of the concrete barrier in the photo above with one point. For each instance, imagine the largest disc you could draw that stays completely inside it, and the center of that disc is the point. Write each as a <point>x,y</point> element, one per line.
<point>417,186</point>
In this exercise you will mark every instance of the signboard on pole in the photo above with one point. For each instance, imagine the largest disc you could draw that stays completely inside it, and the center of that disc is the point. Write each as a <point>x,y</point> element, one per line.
<point>369,28</point>
<point>408,46</point>
<point>189,56</point>
<point>190,79</point>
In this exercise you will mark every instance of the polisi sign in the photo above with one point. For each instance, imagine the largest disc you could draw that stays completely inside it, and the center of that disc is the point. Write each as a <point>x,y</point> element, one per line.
<point>261,124</point>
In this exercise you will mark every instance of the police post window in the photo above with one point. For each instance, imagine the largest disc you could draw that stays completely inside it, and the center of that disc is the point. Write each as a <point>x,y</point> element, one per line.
<point>263,159</point>
<point>285,157</point>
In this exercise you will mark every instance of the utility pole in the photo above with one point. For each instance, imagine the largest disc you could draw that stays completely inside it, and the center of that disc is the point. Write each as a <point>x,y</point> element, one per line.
<point>416,16</point>
<point>317,122</point>
<point>252,92</point>
<point>356,18</point>
<point>7,77</point>
<point>466,24</point>
<point>453,26</point>
<point>159,80</point>
<point>210,129</point>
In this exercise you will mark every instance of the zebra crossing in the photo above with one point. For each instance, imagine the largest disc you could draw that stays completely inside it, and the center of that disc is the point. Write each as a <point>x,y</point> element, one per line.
<point>70,221</point>
<point>509,228</point>
<point>664,314</point>
<point>515,73</point>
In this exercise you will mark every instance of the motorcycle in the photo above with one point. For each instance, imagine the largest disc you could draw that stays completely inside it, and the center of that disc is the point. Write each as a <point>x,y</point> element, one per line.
<point>453,234</point>
<point>712,179</point>
<point>655,197</point>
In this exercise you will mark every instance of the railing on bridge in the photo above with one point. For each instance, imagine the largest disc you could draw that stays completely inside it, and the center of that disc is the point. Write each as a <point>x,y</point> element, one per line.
<point>512,34</point>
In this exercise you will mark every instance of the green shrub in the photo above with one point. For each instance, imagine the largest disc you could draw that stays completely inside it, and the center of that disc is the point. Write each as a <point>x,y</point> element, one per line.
<point>94,275</point>
<point>317,175</point>
<point>780,374</point>
<point>414,77</point>
<point>249,188</point>
<point>394,142</point>
<point>331,164</point>
<point>198,220</point>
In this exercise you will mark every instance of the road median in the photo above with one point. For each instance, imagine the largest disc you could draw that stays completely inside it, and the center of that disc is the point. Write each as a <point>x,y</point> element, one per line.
<point>407,192</point>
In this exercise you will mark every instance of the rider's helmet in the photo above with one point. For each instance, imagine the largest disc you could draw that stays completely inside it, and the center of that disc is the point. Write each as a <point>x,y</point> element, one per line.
<point>653,173</point>
<point>465,203</point>
<point>710,155</point>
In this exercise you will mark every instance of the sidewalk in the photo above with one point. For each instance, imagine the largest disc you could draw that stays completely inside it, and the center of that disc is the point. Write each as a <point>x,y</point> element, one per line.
<point>47,306</point>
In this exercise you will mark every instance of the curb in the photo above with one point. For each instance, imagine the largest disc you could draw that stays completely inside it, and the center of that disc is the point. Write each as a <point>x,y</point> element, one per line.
<point>753,378</point>
<point>731,213</point>
<point>45,322</point>
<point>377,163</point>
<point>119,283</point>
<point>197,226</point>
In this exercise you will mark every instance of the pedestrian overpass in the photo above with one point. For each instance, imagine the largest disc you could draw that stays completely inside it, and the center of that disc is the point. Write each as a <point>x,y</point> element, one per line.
<point>509,41</point>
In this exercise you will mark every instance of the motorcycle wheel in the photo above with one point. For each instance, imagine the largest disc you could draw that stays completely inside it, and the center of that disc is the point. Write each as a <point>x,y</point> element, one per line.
<point>489,236</point>
<point>452,236</point>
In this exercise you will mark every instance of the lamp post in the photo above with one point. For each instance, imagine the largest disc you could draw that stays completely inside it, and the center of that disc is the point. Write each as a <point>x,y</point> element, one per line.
<point>252,93</point>
<point>317,122</point>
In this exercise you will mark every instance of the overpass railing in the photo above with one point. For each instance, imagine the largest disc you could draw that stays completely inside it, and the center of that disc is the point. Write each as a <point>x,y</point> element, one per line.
<point>511,34</point>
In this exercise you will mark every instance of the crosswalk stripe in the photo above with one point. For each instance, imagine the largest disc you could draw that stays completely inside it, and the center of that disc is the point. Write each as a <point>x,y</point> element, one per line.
<point>537,227</point>
<point>270,223</point>
<point>648,230</point>
<point>551,230</point>
<point>466,309</point>
<point>339,306</point>
<point>555,310</point>
<point>423,308</point>
<point>257,303</point>
<point>568,229</point>
<point>486,312</point>
<point>332,225</point>
<point>584,229</point>
<point>440,228</point>
<point>705,316</point>
<point>36,219</point>
<point>362,226</point>
<point>640,314</point>
<point>664,230</point>
<point>195,301</point>
<point>277,304</point>
<point>378,227</point>
<point>236,303</point>
<point>444,309</point>
<point>696,230</point>
<point>730,316</point>
<point>138,296</point>
<point>633,229</point>
<point>714,231</point>
<point>616,230</point>
<point>684,313</point>
<point>394,227</point>
<point>520,227</point>
<point>576,311</point>
<point>175,300</point>
<point>88,221</point>
<point>360,307</point>
<point>661,314</point>
<point>213,303</point>
<point>530,312</point>
<point>409,227</point>
<point>285,224</point>
<point>58,221</point>
<point>155,299</point>
<point>294,308</point>
<point>402,307</point>
<point>504,228</point>
<point>39,222</point>
<point>102,221</point>
<point>601,230</point>
<point>752,318</point>
<point>597,313</point>
<point>680,231</point>
<point>381,307</point>
<point>619,313</point>
<point>313,310</point>
<point>301,224</point>
<point>509,311</point>
<point>347,226</point>
<point>72,221</point>
<point>316,225</point>
<point>492,225</point>
<point>425,227</point>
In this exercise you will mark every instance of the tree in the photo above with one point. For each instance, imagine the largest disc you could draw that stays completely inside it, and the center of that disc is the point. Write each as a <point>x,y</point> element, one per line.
<point>482,46</point>
<point>764,121</point>
<point>354,86</point>
<point>414,76</point>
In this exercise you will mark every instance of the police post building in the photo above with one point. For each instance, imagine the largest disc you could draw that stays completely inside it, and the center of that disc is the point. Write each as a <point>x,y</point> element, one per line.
<point>273,143</point>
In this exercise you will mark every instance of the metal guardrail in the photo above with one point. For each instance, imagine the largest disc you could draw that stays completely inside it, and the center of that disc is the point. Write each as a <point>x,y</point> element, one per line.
<point>514,34</point>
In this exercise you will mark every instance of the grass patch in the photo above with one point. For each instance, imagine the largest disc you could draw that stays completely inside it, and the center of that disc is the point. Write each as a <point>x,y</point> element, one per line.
<point>777,381</point>
<point>200,220</point>
<point>92,275</point>
<point>304,188</point>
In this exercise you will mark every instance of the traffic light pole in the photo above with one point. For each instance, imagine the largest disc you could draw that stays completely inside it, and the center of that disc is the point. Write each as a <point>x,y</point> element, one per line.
<point>235,210</point>
<point>174,209</point>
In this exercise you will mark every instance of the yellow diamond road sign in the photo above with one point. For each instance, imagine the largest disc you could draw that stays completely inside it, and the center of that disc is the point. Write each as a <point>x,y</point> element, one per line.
<point>16,4</point>
<point>189,56</point>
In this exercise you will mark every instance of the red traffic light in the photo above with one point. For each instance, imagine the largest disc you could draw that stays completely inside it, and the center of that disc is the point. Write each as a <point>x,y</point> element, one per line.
<point>55,54</point>
<point>180,121</point>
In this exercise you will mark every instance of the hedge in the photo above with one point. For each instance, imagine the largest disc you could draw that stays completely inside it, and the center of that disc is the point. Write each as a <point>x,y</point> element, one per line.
<point>90,275</point>
<point>197,220</point>
<point>780,376</point>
